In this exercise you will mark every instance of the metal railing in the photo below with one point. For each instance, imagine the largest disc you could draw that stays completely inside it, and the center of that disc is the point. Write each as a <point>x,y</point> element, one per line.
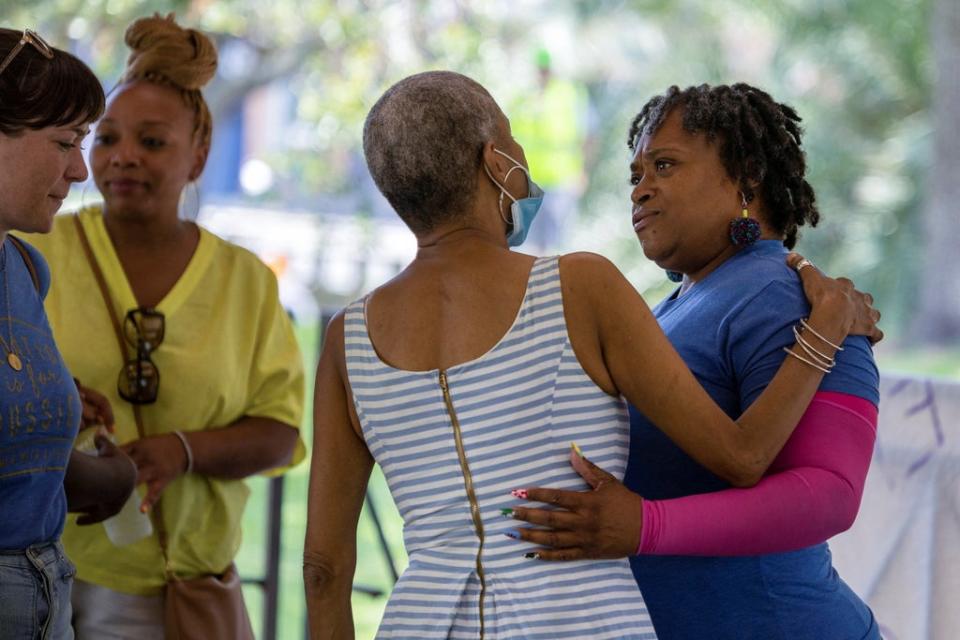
<point>270,582</point>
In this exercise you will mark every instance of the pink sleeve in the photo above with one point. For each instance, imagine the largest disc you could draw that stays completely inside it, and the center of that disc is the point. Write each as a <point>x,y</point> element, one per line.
<point>811,492</point>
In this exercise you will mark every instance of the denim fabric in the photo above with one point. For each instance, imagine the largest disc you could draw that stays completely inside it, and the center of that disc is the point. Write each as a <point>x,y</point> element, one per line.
<point>35,593</point>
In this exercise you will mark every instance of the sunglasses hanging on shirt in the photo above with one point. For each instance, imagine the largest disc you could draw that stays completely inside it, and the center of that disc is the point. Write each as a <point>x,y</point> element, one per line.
<point>139,380</point>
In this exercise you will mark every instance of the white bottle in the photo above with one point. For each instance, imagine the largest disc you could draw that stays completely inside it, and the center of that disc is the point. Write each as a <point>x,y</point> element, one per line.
<point>129,525</point>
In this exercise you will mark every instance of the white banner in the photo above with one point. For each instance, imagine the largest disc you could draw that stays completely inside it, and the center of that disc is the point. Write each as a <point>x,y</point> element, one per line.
<point>903,553</point>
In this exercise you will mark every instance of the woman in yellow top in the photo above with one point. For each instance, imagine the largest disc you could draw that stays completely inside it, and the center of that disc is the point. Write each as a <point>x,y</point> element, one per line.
<point>209,358</point>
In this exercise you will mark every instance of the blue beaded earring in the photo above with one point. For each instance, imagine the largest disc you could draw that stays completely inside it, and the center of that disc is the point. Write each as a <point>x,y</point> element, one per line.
<point>744,230</point>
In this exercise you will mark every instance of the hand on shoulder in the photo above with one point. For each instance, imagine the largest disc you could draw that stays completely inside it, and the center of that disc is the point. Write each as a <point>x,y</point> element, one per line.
<point>839,297</point>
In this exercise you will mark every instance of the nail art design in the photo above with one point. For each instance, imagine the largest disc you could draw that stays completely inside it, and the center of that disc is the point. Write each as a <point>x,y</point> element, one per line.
<point>519,493</point>
<point>576,448</point>
<point>512,533</point>
<point>506,513</point>
<point>532,556</point>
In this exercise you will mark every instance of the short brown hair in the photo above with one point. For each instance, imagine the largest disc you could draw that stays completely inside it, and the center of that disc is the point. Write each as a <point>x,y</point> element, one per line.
<point>37,92</point>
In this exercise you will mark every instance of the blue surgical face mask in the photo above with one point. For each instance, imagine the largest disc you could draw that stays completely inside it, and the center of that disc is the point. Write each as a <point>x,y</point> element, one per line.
<point>523,210</point>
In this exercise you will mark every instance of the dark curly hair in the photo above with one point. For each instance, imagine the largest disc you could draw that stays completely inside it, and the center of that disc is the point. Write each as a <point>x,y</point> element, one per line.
<point>760,142</point>
<point>36,92</point>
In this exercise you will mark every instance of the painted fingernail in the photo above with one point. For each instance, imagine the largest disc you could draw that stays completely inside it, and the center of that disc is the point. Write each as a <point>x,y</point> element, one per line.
<point>532,556</point>
<point>576,448</point>
<point>506,513</point>
<point>512,533</point>
<point>519,493</point>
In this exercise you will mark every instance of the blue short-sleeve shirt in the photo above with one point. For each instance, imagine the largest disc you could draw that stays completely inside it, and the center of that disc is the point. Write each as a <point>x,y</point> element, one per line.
<point>39,409</point>
<point>730,329</point>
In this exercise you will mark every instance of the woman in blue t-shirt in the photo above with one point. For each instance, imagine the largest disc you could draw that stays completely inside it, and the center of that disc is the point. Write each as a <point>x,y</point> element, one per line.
<point>48,98</point>
<point>719,192</point>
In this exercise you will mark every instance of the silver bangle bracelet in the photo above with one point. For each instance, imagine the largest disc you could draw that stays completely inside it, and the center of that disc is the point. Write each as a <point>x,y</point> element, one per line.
<point>815,365</point>
<point>806,326</point>
<point>186,449</point>
<point>829,364</point>
<point>811,350</point>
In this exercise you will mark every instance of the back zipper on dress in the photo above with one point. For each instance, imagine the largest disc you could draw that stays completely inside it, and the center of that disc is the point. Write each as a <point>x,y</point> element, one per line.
<point>468,484</point>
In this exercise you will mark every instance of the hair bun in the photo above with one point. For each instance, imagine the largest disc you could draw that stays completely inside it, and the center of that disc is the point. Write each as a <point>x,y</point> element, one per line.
<point>159,46</point>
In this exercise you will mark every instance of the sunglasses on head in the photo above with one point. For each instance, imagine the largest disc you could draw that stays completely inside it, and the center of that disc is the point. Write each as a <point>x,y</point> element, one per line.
<point>28,37</point>
<point>139,380</point>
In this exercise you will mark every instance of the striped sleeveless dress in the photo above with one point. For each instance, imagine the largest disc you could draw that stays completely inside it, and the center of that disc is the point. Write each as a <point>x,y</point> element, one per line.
<point>452,445</point>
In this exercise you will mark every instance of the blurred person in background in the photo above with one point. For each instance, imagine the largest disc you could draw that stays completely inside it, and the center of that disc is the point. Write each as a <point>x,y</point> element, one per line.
<point>551,121</point>
<point>48,100</point>
<point>142,293</point>
<point>719,194</point>
<point>475,368</point>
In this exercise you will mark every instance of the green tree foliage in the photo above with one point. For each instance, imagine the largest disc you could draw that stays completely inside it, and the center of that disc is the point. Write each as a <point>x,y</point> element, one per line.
<point>937,322</point>
<point>859,72</point>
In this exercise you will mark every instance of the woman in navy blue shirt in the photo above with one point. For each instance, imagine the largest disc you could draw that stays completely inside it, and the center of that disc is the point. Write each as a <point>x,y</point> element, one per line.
<point>719,193</point>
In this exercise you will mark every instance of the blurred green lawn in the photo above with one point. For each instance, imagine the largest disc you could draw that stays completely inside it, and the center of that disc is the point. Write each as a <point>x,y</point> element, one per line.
<point>942,363</point>
<point>371,565</point>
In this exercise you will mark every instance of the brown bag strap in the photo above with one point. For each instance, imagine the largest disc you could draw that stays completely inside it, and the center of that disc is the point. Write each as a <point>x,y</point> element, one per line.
<point>155,513</point>
<point>18,244</point>
<point>105,292</point>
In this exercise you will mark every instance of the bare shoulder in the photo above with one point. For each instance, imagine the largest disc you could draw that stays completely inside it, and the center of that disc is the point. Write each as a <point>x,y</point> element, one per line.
<point>332,392</point>
<point>333,342</point>
<point>588,284</point>
<point>335,328</point>
<point>586,260</point>
<point>590,275</point>
<point>584,266</point>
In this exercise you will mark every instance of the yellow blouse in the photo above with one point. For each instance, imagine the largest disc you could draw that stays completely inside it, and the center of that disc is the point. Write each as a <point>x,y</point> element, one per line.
<point>228,351</point>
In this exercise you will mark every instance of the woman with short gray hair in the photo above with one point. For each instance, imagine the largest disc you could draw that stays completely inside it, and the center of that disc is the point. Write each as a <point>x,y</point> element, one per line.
<point>479,370</point>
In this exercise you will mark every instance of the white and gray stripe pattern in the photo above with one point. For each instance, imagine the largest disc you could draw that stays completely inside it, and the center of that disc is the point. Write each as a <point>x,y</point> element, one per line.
<point>519,406</point>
